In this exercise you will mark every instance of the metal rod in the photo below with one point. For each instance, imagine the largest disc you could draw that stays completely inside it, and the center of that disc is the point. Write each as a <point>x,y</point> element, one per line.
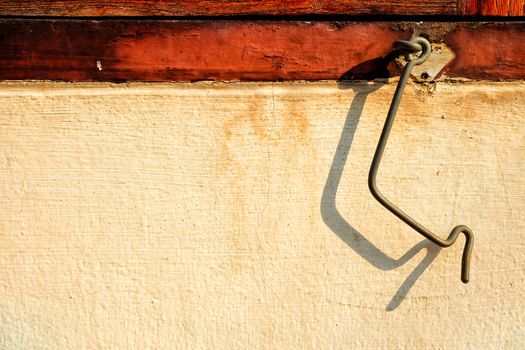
<point>409,48</point>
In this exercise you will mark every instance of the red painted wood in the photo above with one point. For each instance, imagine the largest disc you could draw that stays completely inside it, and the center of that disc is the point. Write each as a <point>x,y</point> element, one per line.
<point>491,7</point>
<point>242,50</point>
<point>491,51</point>
<point>223,7</point>
<point>188,50</point>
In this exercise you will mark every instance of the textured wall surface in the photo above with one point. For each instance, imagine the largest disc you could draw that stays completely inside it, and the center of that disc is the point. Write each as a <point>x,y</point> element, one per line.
<point>237,216</point>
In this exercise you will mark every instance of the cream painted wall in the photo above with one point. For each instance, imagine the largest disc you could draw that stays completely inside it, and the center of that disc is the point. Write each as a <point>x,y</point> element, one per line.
<point>237,216</point>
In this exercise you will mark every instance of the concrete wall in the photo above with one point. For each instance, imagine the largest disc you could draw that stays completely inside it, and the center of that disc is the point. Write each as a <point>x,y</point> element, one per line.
<point>237,216</point>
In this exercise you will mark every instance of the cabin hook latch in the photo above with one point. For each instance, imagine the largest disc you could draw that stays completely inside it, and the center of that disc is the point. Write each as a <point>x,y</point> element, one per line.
<point>410,49</point>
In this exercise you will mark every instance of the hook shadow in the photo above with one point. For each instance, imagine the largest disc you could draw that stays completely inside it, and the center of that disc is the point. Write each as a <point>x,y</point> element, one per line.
<point>376,68</point>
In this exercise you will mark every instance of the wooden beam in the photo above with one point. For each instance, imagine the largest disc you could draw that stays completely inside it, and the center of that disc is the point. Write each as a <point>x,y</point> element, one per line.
<point>224,8</point>
<point>491,7</point>
<point>119,50</point>
<point>103,8</point>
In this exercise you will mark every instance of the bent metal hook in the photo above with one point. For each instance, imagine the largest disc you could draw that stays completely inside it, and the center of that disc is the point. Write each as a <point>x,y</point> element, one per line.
<point>409,48</point>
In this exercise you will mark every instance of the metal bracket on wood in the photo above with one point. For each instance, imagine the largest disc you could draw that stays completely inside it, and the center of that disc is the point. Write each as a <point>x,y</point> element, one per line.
<point>410,49</point>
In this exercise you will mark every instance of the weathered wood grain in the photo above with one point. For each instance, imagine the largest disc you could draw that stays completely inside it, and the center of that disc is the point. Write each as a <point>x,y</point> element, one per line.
<point>224,8</point>
<point>236,50</point>
<point>215,215</point>
<point>491,7</point>
<point>103,8</point>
